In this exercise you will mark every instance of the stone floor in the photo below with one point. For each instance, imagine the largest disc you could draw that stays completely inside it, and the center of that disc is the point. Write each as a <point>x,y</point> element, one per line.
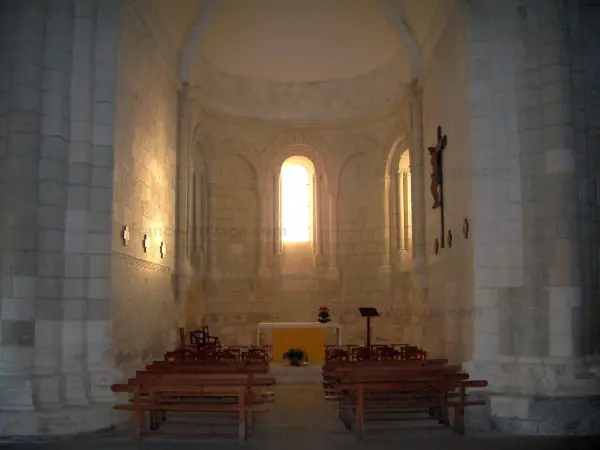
<point>301,419</point>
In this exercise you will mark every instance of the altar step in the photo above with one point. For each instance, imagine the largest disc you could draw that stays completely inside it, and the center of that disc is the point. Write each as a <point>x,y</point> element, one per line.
<point>286,374</point>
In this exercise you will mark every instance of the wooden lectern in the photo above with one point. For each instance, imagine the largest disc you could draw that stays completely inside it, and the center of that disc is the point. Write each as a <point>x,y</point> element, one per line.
<point>368,313</point>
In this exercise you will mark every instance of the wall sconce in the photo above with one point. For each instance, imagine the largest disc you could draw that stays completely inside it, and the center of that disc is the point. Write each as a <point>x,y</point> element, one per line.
<point>163,249</point>
<point>125,235</point>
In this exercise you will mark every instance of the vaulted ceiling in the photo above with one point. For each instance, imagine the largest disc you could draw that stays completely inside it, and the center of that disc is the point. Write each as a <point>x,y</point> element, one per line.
<point>291,40</point>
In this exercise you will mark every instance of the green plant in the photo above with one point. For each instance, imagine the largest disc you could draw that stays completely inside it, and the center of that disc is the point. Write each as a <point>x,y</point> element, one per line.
<point>295,356</point>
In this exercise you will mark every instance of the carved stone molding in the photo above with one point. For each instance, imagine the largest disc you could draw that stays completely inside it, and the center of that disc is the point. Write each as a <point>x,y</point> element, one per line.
<point>137,263</point>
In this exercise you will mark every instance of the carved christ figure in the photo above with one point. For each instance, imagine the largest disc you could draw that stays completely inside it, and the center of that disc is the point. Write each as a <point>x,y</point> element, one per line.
<point>436,175</point>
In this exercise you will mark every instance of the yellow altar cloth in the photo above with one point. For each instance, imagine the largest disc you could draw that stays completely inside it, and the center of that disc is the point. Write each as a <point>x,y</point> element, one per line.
<point>309,336</point>
<point>311,340</point>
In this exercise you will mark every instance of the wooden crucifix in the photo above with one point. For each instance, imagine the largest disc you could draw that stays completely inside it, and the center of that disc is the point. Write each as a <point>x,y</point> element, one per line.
<point>437,179</point>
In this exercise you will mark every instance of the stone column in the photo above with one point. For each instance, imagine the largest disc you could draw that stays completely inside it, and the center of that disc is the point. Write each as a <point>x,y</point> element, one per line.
<point>76,267</point>
<point>399,175</point>
<point>184,158</point>
<point>409,210</point>
<point>333,271</point>
<point>395,211</point>
<point>277,231</point>
<point>23,38</point>
<point>63,331</point>
<point>213,268</point>
<point>100,358</point>
<point>317,215</point>
<point>419,240</point>
<point>263,246</point>
<point>562,166</point>
<point>388,227</point>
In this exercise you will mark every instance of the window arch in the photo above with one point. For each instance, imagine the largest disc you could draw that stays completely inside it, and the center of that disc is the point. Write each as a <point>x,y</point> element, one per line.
<point>403,204</point>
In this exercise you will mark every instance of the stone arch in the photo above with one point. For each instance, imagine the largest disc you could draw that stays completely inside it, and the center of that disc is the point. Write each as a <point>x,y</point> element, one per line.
<point>360,219</point>
<point>299,143</point>
<point>358,144</point>
<point>236,236</point>
<point>344,166</point>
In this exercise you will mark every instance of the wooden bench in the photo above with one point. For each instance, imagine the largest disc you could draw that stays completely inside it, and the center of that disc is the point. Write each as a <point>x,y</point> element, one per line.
<point>189,398</point>
<point>194,393</point>
<point>334,371</point>
<point>427,389</point>
<point>208,368</point>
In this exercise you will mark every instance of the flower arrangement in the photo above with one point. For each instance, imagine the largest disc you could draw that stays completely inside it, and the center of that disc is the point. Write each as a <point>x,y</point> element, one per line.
<point>295,356</point>
<point>324,315</point>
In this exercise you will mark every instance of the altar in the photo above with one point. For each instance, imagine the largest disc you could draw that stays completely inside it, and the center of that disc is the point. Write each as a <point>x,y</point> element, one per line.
<point>310,336</point>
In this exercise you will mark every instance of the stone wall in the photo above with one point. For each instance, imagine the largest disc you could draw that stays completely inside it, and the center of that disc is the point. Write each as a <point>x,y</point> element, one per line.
<point>238,291</point>
<point>432,292</point>
<point>145,177</point>
<point>588,79</point>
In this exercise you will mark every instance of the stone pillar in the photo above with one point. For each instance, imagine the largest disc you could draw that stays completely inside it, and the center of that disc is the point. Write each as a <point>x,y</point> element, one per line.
<point>263,246</point>
<point>77,269</point>
<point>213,269</point>
<point>388,227</point>
<point>409,209</point>
<point>182,236</point>
<point>419,241</point>
<point>98,327</point>
<point>277,230</point>
<point>317,180</point>
<point>562,169</point>
<point>62,330</point>
<point>526,300</point>
<point>23,38</point>
<point>333,271</point>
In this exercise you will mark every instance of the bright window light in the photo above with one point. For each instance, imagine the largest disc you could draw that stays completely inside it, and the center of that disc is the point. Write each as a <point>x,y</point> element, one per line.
<point>295,203</point>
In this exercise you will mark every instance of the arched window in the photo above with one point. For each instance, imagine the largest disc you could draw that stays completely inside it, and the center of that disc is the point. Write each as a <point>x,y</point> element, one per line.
<point>297,200</point>
<point>404,204</point>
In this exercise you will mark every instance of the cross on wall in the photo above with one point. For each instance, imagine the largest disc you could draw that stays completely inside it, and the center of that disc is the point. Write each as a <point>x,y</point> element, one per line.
<point>437,180</point>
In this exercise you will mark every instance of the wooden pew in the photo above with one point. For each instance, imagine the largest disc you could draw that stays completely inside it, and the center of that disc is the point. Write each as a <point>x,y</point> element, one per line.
<point>334,371</point>
<point>163,397</point>
<point>194,392</point>
<point>208,368</point>
<point>239,379</point>
<point>428,388</point>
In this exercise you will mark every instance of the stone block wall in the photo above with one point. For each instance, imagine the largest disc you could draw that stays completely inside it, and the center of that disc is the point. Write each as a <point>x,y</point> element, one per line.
<point>144,201</point>
<point>437,311</point>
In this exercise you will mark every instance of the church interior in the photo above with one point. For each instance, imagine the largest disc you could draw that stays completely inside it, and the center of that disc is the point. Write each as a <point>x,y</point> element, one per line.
<point>387,201</point>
